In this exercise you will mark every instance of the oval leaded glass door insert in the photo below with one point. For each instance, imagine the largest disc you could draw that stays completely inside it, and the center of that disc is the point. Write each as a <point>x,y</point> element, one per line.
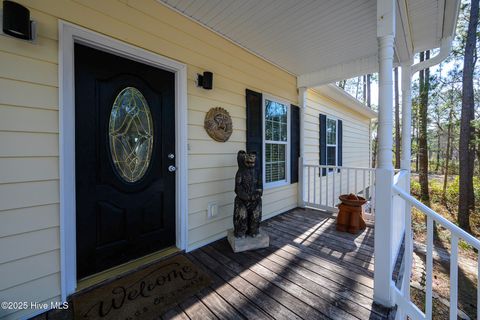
<point>131,134</point>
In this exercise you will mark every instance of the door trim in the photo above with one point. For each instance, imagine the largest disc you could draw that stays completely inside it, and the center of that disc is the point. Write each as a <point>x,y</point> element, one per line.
<point>68,35</point>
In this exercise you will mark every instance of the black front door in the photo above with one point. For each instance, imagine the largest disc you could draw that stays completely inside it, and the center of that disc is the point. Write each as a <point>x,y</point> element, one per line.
<point>125,158</point>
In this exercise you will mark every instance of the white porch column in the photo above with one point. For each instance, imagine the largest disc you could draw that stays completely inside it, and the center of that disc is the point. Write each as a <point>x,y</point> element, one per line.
<point>302,100</point>
<point>384,172</point>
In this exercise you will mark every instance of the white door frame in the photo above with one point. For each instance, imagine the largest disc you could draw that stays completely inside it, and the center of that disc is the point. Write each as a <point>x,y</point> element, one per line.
<point>68,35</point>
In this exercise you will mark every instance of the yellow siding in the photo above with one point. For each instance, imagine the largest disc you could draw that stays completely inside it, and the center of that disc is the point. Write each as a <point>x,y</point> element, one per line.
<point>28,169</point>
<point>29,185</point>
<point>30,268</point>
<point>23,220</point>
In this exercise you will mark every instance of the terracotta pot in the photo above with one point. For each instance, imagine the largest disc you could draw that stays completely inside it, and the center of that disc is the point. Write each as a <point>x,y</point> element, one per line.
<point>350,214</point>
<point>352,202</point>
<point>343,218</point>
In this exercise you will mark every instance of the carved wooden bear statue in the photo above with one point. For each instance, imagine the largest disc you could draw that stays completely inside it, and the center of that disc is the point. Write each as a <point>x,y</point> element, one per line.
<point>248,202</point>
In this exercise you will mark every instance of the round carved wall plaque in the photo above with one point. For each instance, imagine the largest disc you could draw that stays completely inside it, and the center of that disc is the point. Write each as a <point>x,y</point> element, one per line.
<point>218,124</point>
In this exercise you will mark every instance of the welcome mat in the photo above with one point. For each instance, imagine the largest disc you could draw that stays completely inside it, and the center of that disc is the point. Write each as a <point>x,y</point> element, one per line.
<point>143,294</point>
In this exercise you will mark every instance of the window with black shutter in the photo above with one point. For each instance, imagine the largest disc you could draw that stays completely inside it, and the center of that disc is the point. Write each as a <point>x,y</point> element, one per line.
<point>273,132</point>
<point>331,142</point>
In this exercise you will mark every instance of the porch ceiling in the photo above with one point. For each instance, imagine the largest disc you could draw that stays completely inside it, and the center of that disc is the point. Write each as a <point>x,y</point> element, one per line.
<point>308,36</point>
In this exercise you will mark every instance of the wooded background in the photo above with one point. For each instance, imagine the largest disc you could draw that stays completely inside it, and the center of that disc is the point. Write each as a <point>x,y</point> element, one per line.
<point>445,124</point>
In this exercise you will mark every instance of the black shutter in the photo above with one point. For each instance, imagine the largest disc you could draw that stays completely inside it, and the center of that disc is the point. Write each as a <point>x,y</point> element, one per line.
<point>294,142</point>
<point>339,143</point>
<point>255,129</point>
<point>323,142</point>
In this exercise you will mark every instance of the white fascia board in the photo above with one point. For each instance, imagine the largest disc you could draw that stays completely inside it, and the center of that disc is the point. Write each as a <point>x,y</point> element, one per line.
<point>339,95</point>
<point>450,18</point>
<point>403,40</point>
<point>347,70</point>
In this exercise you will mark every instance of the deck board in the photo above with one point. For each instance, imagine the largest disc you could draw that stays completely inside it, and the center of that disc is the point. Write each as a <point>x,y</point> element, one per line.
<point>279,239</point>
<point>231,295</point>
<point>310,271</point>
<point>175,313</point>
<point>302,235</point>
<point>251,292</point>
<point>337,285</point>
<point>328,228</point>
<point>315,294</point>
<point>196,309</point>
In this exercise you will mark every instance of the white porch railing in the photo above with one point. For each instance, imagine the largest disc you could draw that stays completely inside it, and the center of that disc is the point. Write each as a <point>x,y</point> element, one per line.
<point>402,296</point>
<point>324,184</point>
<point>399,207</point>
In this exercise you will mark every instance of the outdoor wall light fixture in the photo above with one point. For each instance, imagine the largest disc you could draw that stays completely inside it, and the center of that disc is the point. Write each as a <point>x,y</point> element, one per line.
<point>16,21</point>
<point>206,80</point>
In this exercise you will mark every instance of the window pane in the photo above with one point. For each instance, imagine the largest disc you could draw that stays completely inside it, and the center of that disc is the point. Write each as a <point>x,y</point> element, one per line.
<point>268,172</point>
<point>268,130</point>
<point>331,131</point>
<point>268,152</point>
<point>283,132</point>
<point>274,172</point>
<point>283,116</point>
<point>331,156</point>
<point>268,110</point>
<point>276,131</point>
<point>275,121</point>
<point>281,171</point>
<point>281,152</point>
<point>274,153</point>
<point>275,162</point>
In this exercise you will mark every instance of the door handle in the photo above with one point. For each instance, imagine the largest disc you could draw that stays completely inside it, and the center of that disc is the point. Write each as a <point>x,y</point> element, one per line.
<point>172,168</point>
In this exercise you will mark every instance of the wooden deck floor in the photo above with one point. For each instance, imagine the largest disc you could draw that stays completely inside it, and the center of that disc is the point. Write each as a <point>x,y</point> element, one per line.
<point>310,271</point>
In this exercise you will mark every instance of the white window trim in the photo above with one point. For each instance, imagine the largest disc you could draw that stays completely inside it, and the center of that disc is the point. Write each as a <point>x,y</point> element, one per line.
<point>331,171</point>
<point>285,182</point>
<point>68,35</point>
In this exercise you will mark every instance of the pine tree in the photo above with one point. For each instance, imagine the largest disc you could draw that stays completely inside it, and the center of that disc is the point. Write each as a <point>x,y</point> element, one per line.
<point>422,137</point>
<point>466,146</point>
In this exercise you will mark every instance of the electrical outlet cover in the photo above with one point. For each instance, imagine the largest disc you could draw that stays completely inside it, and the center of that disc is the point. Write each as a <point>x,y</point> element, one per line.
<point>212,210</point>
